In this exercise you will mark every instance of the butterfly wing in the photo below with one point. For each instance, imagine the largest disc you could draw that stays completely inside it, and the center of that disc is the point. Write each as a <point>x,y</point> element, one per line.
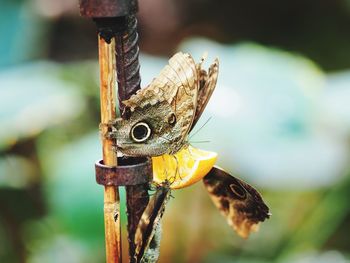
<point>240,203</point>
<point>207,84</point>
<point>177,86</point>
<point>185,102</point>
<point>149,225</point>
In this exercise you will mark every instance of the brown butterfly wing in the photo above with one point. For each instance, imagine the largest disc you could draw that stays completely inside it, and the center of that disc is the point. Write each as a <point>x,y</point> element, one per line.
<point>178,85</point>
<point>207,84</point>
<point>185,102</point>
<point>240,203</point>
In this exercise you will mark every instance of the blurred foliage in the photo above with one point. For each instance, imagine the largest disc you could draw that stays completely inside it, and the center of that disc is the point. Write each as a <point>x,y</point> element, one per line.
<point>278,120</point>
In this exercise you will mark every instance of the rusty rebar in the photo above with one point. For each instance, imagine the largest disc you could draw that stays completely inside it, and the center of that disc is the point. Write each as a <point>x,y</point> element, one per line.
<point>129,80</point>
<point>127,56</point>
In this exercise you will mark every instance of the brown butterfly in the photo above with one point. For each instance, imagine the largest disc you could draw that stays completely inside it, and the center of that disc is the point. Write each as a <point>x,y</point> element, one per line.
<point>160,116</point>
<point>241,205</point>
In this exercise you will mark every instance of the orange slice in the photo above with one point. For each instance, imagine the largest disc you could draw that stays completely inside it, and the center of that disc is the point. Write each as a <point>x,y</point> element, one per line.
<point>184,168</point>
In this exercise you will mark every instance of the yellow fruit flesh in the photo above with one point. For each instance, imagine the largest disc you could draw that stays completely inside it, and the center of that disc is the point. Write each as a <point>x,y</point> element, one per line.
<point>184,168</point>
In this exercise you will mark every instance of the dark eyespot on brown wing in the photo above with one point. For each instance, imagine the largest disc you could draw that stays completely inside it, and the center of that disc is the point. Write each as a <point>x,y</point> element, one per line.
<point>238,191</point>
<point>140,132</point>
<point>172,119</point>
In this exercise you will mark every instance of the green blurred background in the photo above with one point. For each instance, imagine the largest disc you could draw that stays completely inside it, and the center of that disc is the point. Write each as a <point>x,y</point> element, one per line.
<point>280,119</point>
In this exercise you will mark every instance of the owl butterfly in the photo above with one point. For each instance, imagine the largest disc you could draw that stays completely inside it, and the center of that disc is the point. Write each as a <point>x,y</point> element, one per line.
<point>158,118</point>
<point>241,205</point>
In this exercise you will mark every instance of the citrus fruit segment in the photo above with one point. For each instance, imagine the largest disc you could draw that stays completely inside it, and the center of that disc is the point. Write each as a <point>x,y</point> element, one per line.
<point>184,168</point>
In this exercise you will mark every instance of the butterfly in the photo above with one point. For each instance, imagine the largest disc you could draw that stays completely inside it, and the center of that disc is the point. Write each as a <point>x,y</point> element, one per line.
<point>158,118</point>
<point>241,204</point>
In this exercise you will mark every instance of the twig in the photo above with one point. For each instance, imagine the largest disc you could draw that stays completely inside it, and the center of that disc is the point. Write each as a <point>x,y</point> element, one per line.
<point>108,113</point>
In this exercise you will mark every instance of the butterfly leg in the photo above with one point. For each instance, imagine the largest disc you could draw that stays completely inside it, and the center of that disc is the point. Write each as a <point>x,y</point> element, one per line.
<point>170,178</point>
<point>165,170</point>
<point>177,171</point>
<point>108,130</point>
<point>189,150</point>
<point>191,153</point>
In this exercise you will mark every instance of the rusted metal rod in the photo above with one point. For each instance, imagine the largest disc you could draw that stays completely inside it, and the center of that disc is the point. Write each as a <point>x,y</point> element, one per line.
<point>128,76</point>
<point>108,113</point>
<point>127,56</point>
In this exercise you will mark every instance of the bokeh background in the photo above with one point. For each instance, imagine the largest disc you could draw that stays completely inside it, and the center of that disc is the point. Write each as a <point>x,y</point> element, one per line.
<point>280,118</point>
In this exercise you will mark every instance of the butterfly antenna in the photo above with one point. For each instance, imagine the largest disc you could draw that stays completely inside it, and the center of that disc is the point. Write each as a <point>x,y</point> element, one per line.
<point>206,122</point>
<point>199,141</point>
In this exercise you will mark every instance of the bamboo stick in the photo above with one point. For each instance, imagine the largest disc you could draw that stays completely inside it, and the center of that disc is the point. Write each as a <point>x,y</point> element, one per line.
<point>108,112</point>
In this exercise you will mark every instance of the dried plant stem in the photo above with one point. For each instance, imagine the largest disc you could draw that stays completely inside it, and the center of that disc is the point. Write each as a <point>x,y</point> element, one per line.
<point>108,113</point>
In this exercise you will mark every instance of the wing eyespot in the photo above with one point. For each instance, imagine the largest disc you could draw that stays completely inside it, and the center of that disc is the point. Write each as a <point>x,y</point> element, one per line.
<point>140,132</point>
<point>238,191</point>
<point>171,119</point>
